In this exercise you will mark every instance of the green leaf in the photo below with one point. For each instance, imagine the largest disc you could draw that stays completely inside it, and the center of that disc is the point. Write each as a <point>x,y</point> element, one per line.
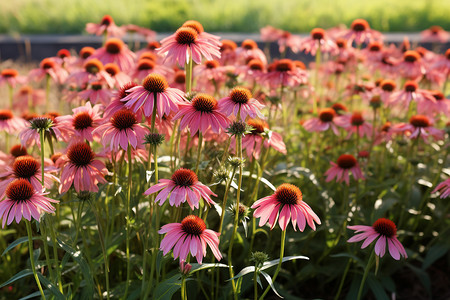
<point>377,288</point>
<point>34,295</point>
<point>17,242</point>
<point>269,264</point>
<point>269,280</point>
<point>21,274</point>
<point>198,267</point>
<point>435,252</point>
<point>166,289</point>
<point>243,272</point>
<point>50,286</point>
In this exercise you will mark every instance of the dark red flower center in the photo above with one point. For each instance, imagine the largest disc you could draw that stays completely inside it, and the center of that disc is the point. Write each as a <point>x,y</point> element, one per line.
<point>447,54</point>
<point>228,45</point>
<point>411,86</point>
<point>25,167</point>
<point>438,95</point>
<point>122,92</point>
<point>153,45</point>
<point>375,46</point>
<point>26,90</point>
<point>114,45</point>
<point>5,115</point>
<point>360,25</point>
<point>411,56</point>
<point>107,20</point>
<point>47,63</point>
<point>96,86</point>
<point>180,77</point>
<point>184,177</point>
<point>240,95</point>
<point>385,227</point>
<point>386,127</point>
<point>186,35</point>
<point>288,194</point>
<point>145,64</point>
<point>346,161</point>
<point>155,83</point>
<point>326,115</point>
<point>82,120</point>
<point>8,73</point>
<point>193,225</point>
<point>93,66</point>
<point>80,154</point>
<point>63,53</point>
<point>112,69</point>
<point>148,55</point>
<point>212,64</point>
<point>123,119</point>
<point>194,25</point>
<point>435,29</point>
<point>388,85</point>
<point>339,107</point>
<point>357,119</point>
<point>20,190</point>
<point>258,125</point>
<point>318,33</point>
<point>341,43</point>
<point>249,44</point>
<point>85,52</point>
<point>419,121</point>
<point>284,65</point>
<point>204,103</point>
<point>18,150</point>
<point>256,65</point>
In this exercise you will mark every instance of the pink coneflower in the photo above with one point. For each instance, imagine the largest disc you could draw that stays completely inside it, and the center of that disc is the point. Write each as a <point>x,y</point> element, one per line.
<point>228,53</point>
<point>354,123</point>
<point>186,43</point>
<point>289,40</point>
<point>106,26</point>
<point>27,167</point>
<point>23,201</point>
<point>191,236</point>
<point>410,92</point>
<point>80,168</point>
<point>154,85</point>
<point>284,72</point>
<point>116,103</point>
<point>387,87</point>
<point>164,125</point>
<point>197,26</point>
<point>318,39</point>
<point>323,122</point>
<point>183,186</point>
<point>120,78</point>
<point>122,130</point>
<point>341,169</point>
<point>147,66</point>
<point>360,32</point>
<point>115,51</point>
<point>441,105</point>
<point>49,67</point>
<point>252,72</point>
<point>270,34</point>
<point>83,121</point>
<point>11,77</point>
<point>27,96</point>
<point>96,93</point>
<point>386,231</point>
<point>148,34</point>
<point>419,125</point>
<point>385,134</point>
<point>211,75</point>
<point>92,71</point>
<point>179,80</point>
<point>10,123</point>
<point>200,114</point>
<point>411,67</point>
<point>443,188</point>
<point>443,63</point>
<point>249,50</point>
<point>286,204</point>
<point>435,34</point>
<point>240,103</point>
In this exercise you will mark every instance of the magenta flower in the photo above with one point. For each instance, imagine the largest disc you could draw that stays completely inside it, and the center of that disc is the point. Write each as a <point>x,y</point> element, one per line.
<point>122,130</point>
<point>106,26</point>
<point>443,188</point>
<point>96,93</point>
<point>11,77</point>
<point>191,236</point>
<point>285,73</point>
<point>419,126</point>
<point>142,96</point>
<point>434,34</point>
<point>23,201</point>
<point>93,71</point>
<point>354,123</point>
<point>186,43</point>
<point>323,122</point>
<point>115,51</point>
<point>183,186</point>
<point>80,168</point>
<point>386,231</point>
<point>120,78</point>
<point>9,123</point>
<point>116,103</point>
<point>340,171</point>
<point>48,67</point>
<point>409,93</point>
<point>201,114</point>
<point>360,32</point>
<point>241,104</point>
<point>285,204</point>
<point>318,39</point>
<point>249,50</point>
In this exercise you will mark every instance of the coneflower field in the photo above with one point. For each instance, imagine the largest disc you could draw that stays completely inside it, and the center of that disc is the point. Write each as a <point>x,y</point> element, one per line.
<point>198,168</point>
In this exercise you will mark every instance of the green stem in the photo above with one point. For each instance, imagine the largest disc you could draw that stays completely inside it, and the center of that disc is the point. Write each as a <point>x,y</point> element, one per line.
<point>183,289</point>
<point>130,168</point>
<point>47,92</point>
<point>55,253</point>
<point>255,285</point>
<point>316,79</point>
<point>366,272</point>
<point>10,90</point>
<point>33,266</point>
<point>341,285</point>
<point>199,151</point>
<point>188,68</point>
<point>41,134</point>
<point>283,239</point>
<point>224,202</point>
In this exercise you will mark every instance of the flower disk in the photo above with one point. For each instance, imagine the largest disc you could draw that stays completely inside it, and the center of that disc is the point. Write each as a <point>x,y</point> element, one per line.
<point>357,119</point>
<point>193,225</point>
<point>80,154</point>
<point>194,25</point>
<point>385,227</point>
<point>114,45</point>
<point>47,63</point>
<point>8,73</point>
<point>388,85</point>
<point>82,120</point>
<point>240,95</point>
<point>346,161</point>
<point>112,69</point>
<point>19,190</point>
<point>93,66</point>
<point>411,56</point>
<point>122,92</point>
<point>411,86</point>
<point>318,33</point>
<point>186,35</point>
<point>155,83</point>
<point>326,115</point>
<point>25,167</point>
<point>285,65</point>
<point>288,194</point>
<point>419,121</point>
<point>258,125</point>
<point>123,119</point>
<point>145,64</point>
<point>5,115</point>
<point>18,150</point>
<point>204,103</point>
<point>184,177</point>
<point>360,25</point>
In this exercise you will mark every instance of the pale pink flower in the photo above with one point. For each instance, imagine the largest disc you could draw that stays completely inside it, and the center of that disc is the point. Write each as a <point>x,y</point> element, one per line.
<point>228,53</point>
<point>411,66</point>
<point>252,72</point>
<point>115,51</point>
<point>96,94</point>
<point>284,73</point>
<point>10,123</point>
<point>441,105</point>
<point>30,135</point>
<point>289,40</point>
<point>323,122</point>
<point>442,63</point>
<point>119,77</point>
<point>182,187</point>
<point>80,168</point>
<point>185,44</point>
<point>121,131</point>
<point>48,67</point>
<point>147,66</point>
<point>410,92</point>
<point>340,170</point>
<point>22,200</point>
<point>116,103</point>
<point>191,236</point>
<point>360,33</point>
<point>92,71</point>
<point>197,26</point>
<point>163,125</point>
<point>443,188</point>
<point>26,96</point>
<point>435,34</point>
<point>419,125</point>
<point>286,204</point>
<point>148,34</point>
<point>154,86</point>
<point>383,229</point>
<point>270,34</point>
<point>200,114</point>
<point>211,76</point>
<point>318,39</point>
<point>240,103</point>
<point>249,50</point>
<point>11,77</point>
<point>354,123</point>
<point>106,26</point>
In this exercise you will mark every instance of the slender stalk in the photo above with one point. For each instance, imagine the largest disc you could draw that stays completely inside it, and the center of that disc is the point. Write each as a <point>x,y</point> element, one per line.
<point>130,169</point>
<point>341,285</point>
<point>199,151</point>
<point>183,288</point>
<point>33,265</point>
<point>224,201</point>
<point>10,90</point>
<point>47,92</point>
<point>55,254</point>
<point>283,239</point>
<point>316,78</point>
<point>225,152</point>
<point>366,272</point>
<point>41,134</point>
<point>188,69</point>
<point>255,285</point>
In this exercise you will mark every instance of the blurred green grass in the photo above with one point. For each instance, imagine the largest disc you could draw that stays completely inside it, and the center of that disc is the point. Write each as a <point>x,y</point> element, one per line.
<point>61,16</point>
